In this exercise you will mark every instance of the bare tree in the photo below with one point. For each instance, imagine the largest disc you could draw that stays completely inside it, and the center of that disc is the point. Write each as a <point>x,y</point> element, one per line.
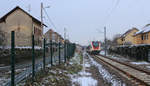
<point>115,38</point>
<point>112,42</point>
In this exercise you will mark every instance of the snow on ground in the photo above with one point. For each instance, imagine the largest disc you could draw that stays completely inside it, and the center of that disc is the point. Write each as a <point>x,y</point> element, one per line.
<point>118,58</point>
<point>83,78</point>
<point>3,81</point>
<point>148,67</point>
<point>75,59</point>
<point>102,52</point>
<point>49,65</point>
<point>87,65</point>
<point>23,47</point>
<point>106,75</point>
<point>19,70</point>
<point>139,63</point>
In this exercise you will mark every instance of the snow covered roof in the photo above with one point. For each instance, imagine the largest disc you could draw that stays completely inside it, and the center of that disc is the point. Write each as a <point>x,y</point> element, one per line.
<point>127,32</point>
<point>144,29</point>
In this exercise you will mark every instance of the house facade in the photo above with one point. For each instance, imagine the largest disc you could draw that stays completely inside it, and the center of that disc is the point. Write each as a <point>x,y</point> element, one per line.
<point>143,36</point>
<point>128,37</point>
<point>48,35</point>
<point>24,26</point>
<point>119,41</point>
<point>54,36</point>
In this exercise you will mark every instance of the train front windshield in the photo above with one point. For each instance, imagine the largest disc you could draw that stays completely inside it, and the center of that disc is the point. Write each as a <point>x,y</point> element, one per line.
<point>95,44</point>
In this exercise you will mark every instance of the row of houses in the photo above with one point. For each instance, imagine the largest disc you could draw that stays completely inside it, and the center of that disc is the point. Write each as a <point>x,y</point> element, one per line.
<point>135,36</point>
<point>24,25</point>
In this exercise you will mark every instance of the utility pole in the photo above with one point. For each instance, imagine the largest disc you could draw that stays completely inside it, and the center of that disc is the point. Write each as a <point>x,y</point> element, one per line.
<point>105,39</point>
<point>42,17</point>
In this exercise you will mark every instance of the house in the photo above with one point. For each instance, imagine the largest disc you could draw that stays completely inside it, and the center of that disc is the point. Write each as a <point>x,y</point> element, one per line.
<point>48,35</point>
<point>24,26</point>
<point>127,37</point>
<point>61,39</point>
<point>143,36</point>
<point>119,41</point>
<point>54,36</point>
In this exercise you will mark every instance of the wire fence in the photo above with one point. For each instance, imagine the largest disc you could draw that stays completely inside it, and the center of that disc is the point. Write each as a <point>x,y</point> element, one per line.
<point>58,53</point>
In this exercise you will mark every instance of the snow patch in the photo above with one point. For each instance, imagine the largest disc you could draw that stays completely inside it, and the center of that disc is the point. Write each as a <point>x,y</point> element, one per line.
<point>148,67</point>
<point>22,47</point>
<point>87,65</point>
<point>85,81</point>
<point>3,81</point>
<point>75,59</point>
<point>139,63</point>
<point>102,52</point>
<point>84,73</point>
<point>83,78</point>
<point>119,58</point>
<point>106,75</point>
<point>49,65</point>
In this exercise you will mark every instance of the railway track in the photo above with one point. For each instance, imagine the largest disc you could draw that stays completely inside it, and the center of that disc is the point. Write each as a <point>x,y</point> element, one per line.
<point>136,76</point>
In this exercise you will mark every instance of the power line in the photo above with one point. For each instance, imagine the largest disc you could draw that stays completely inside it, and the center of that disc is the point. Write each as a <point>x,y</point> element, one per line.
<point>50,19</point>
<point>108,16</point>
<point>111,11</point>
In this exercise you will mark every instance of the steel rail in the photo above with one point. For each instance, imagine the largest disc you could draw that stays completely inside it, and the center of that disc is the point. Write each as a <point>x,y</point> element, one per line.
<point>124,72</point>
<point>139,69</point>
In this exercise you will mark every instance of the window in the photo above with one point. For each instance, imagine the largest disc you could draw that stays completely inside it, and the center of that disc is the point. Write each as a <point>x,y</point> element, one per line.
<point>142,37</point>
<point>123,39</point>
<point>37,31</point>
<point>53,36</point>
<point>146,36</point>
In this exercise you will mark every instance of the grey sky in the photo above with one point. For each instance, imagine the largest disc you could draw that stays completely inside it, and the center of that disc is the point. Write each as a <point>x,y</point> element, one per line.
<point>82,18</point>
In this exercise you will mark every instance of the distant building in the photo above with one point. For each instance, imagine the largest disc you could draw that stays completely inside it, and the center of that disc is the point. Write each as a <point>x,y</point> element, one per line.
<point>61,39</point>
<point>54,36</point>
<point>143,36</point>
<point>119,41</point>
<point>128,37</point>
<point>24,25</point>
<point>48,35</point>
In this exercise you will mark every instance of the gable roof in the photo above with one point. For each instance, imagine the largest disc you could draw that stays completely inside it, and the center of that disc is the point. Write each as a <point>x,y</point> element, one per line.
<point>128,31</point>
<point>145,29</point>
<point>17,7</point>
<point>51,30</point>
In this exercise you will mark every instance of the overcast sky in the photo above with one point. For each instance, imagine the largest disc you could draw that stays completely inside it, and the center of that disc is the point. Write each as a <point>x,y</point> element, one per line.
<point>85,19</point>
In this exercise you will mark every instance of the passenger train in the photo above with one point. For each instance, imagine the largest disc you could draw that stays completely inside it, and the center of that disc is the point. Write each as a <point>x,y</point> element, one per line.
<point>94,47</point>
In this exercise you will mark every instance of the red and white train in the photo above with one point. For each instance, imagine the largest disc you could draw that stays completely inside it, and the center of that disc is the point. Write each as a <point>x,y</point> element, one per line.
<point>94,47</point>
